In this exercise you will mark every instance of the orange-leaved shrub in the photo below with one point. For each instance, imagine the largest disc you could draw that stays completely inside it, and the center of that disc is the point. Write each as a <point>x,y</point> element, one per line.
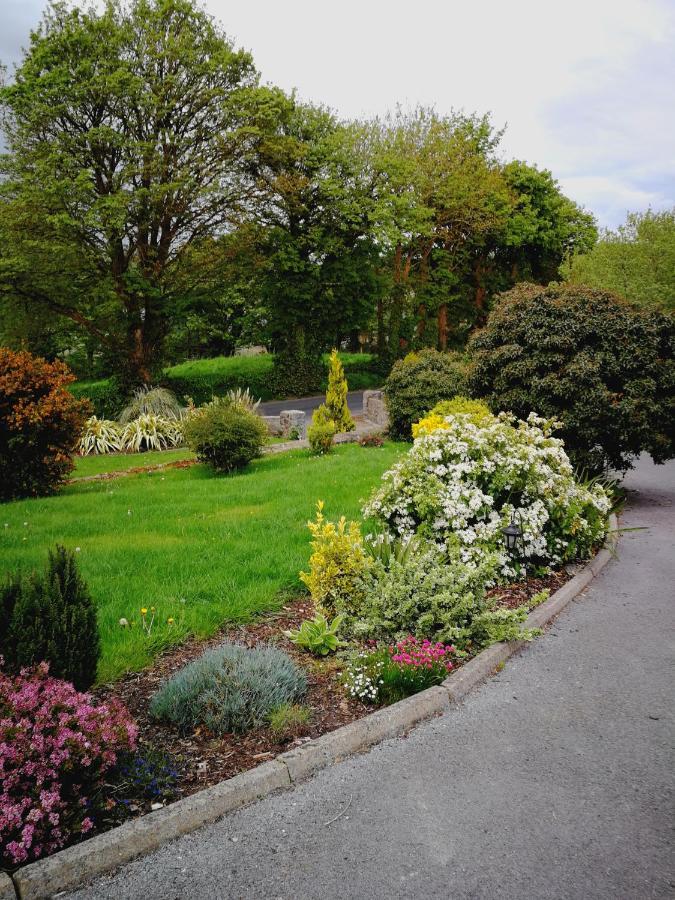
<point>40,421</point>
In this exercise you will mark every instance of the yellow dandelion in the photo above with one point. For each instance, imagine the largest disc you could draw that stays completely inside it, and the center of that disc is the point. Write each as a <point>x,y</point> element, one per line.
<point>144,611</point>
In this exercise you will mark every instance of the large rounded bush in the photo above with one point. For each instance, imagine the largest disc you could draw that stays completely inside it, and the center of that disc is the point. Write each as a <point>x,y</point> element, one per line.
<point>56,746</point>
<point>461,484</point>
<point>229,688</point>
<point>603,368</point>
<point>417,383</point>
<point>225,434</point>
<point>40,422</point>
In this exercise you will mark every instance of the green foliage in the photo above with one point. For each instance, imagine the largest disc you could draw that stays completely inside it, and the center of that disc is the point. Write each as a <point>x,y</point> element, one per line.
<point>416,383</point>
<point>202,379</point>
<point>225,435</point>
<point>336,395</point>
<point>424,594</point>
<point>479,413</point>
<point>151,401</point>
<point>89,220</point>
<point>317,635</point>
<point>151,432</point>
<point>288,718</point>
<point>338,561</point>
<point>100,436</point>
<point>40,422</point>
<point>321,432</point>
<point>51,618</point>
<point>105,396</point>
<point>602,367</point>
<point>637,261</point>
<point>229,689</point>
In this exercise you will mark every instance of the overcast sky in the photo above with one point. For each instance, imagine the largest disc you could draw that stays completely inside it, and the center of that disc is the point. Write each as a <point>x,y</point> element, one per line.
<point>585,87</point>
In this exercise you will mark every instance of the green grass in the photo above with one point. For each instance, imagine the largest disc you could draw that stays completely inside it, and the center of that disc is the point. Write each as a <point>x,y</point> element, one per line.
<point>201,548</point>
<point>120,462</point>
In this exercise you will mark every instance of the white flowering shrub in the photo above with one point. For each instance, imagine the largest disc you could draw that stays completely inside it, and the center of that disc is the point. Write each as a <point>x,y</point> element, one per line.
<point>462,483</point>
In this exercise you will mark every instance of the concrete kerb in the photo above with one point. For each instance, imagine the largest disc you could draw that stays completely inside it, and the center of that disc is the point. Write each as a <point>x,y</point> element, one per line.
<point>75,865</point>
<point>6,887</point>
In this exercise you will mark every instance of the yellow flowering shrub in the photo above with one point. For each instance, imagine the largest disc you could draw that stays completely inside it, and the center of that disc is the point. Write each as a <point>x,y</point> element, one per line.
<point>338,561</point>
<point>478,414</point>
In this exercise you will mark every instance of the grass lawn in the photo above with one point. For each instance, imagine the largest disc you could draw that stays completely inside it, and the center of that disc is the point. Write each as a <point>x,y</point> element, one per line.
<point>120,462</point>
<point>201,548</point>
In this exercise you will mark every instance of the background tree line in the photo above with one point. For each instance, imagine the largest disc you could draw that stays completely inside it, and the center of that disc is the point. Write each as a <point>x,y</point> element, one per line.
<point>158,202</point>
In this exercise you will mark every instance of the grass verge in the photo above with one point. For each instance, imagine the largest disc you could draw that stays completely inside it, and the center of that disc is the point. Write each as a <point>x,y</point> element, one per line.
<point>201,549</point>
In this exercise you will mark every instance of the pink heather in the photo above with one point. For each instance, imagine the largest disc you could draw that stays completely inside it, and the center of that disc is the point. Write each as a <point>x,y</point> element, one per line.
<point>55,746</point>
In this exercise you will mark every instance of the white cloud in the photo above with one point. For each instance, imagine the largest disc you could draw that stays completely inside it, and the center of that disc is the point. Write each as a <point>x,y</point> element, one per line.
<point>586,86</point>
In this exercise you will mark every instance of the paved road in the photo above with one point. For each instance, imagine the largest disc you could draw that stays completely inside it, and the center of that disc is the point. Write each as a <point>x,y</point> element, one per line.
<point>309,404</point>
<point>554,780</point>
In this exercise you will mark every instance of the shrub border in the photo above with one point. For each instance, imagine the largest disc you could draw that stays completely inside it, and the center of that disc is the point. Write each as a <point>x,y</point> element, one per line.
<point>74,866</point>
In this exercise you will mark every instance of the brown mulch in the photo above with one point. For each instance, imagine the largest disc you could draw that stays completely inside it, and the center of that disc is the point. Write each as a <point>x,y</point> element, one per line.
<point>203,759</point>
<point>513,595</point>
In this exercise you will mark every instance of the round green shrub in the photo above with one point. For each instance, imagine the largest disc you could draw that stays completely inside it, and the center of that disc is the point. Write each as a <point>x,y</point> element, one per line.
<point>478,412</point>
<point>231,688</point>
<point>417,383</point>
<point>225,435</point>
<point>603,368</point>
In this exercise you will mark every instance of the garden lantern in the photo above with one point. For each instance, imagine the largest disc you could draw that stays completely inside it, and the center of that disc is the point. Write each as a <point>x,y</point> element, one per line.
<point>513,536</point>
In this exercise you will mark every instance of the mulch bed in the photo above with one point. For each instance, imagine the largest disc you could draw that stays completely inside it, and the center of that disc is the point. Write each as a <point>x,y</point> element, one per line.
<point>203,759</point>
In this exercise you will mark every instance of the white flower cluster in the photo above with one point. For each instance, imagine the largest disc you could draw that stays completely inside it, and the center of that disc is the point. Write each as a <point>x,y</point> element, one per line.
<point>459,486</point>
<point>362,681</point>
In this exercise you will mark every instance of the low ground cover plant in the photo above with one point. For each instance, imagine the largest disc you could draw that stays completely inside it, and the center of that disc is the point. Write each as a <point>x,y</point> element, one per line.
<point>318,635</point>
<point>56,749</point>
<point>389,674</point>
<point>40,424</point>
<point>231,688</point>
<point>225,434</point>
<point>419,381</point>
<point>51,617</point>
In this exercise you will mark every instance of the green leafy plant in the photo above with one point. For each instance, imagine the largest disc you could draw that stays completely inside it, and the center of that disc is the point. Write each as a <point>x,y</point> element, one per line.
<point>588,359</point>
<point>478,412</point>
<point>151,401</point>
<point>229,688</point>
<point>288,718</point>
<point>151,432</point>
<point>317,635</point>
<point>225,435</point>
<point>322,431</point>
<point>336,395</point>
<point>419,381</point>
<point>100,436</point>
<point>51,618</point>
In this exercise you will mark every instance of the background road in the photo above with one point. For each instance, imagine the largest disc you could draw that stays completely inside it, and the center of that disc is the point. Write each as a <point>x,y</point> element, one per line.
<point>554,780</point>
<point>309,404</point>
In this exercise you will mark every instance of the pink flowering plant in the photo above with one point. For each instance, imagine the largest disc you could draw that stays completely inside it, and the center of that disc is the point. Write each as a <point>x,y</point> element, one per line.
<point>56,746</point>
<point>388,674</point>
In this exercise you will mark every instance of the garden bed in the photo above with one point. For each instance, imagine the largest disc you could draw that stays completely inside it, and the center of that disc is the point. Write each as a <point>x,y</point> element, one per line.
<point>202,759</point>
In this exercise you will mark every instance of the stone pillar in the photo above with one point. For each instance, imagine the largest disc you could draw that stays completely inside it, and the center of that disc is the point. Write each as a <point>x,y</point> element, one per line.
<point>290,419</point>
<point>375,408</point>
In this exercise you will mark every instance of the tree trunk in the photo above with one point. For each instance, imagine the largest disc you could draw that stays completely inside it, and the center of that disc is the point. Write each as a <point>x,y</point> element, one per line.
<point>443,326</point>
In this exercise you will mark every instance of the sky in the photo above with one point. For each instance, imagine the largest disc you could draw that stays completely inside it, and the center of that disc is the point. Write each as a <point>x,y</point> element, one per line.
<point>585,88</point>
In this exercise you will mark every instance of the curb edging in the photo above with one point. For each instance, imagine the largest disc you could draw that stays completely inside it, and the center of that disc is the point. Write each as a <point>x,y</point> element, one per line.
<point>75,865</point>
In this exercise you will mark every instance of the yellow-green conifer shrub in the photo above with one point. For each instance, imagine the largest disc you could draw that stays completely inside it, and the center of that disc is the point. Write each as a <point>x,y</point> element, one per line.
<point>336,395</point>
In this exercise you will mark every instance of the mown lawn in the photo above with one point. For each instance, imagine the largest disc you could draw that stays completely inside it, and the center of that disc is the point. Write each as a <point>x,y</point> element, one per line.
<point>200,548</point>
<point>121,462</point>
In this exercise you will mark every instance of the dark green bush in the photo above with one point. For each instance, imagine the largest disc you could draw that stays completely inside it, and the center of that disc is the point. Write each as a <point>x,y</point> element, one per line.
<point>106,396</point>
<point>51,618</point>
<point>230,688</point>
<point>602,367</point>
<point>225,435</point>
<point>417,383</point>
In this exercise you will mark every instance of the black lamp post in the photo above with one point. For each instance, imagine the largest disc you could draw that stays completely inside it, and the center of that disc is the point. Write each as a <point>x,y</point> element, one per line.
<point>513,536</point>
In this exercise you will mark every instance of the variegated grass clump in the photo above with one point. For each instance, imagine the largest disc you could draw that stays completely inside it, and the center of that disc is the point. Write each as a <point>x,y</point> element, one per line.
<point>154,401</point>
<point>151,432</point>
<point>100,436</point>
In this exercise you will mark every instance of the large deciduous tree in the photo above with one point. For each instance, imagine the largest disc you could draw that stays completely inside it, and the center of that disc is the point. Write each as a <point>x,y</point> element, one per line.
<point>129,133</point>
<point>636,261</point>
